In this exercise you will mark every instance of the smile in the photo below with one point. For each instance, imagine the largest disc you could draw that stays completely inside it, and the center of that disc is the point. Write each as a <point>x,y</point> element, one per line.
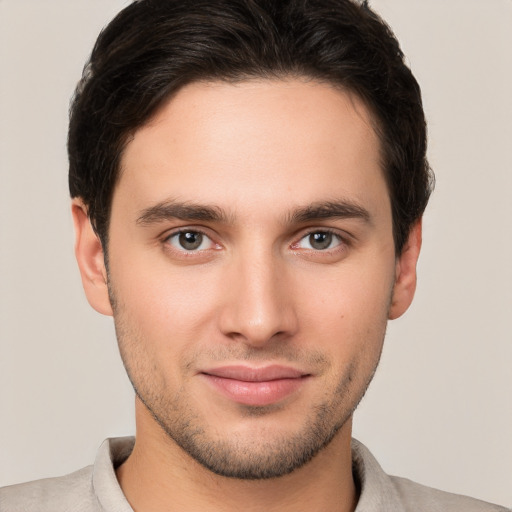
<point>255,386</point>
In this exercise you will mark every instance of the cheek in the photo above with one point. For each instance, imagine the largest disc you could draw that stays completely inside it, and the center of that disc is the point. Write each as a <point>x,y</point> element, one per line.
<point>167,305</point>
<point>352,297</point>
<point>159,320</point>
<point>347,320</point>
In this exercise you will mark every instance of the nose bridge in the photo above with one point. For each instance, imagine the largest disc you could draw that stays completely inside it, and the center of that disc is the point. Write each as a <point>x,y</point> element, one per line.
<point>260,305</point>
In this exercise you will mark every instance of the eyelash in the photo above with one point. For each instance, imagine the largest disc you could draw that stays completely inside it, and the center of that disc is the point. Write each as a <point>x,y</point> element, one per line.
<point>343,242</point>
<point>169,236</point>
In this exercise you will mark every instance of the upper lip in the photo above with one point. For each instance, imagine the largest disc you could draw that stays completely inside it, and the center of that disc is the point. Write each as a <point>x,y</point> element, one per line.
<point>250,374</point>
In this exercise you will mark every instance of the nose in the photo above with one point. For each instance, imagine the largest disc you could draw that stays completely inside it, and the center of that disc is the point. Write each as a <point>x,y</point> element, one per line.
<point>258,306</point>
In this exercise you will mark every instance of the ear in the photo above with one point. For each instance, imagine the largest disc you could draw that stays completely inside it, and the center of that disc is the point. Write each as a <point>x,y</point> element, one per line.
<point>405,274</point>
<point>90,258</point>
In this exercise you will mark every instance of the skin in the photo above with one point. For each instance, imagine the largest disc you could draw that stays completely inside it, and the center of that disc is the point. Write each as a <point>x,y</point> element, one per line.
<point>269,159</point>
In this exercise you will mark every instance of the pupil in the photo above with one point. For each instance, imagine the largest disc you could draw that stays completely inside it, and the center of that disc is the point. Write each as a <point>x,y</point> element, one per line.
<point>190,240</point>
<point>320,241</point>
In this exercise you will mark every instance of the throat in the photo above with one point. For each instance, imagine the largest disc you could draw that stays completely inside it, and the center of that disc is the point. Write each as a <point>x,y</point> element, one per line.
<point>159,475</point>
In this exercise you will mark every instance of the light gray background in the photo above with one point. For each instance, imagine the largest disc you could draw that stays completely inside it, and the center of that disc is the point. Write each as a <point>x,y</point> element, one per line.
<point>439,410</point>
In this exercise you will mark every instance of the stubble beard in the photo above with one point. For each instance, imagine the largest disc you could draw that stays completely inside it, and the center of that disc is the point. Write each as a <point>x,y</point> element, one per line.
<point>265,455</point>
<point>268,454</point>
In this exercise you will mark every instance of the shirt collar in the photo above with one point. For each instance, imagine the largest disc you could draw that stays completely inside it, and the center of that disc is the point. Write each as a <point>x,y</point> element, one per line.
<point>112,453</point>
<point>377,492</point>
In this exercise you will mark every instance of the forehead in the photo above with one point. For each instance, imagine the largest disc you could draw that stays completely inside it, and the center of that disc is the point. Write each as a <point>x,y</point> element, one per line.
<point>237,144</point>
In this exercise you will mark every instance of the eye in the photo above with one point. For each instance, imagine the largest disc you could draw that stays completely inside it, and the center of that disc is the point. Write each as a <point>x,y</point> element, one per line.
<point>319,241</point>
<point>190,241</point>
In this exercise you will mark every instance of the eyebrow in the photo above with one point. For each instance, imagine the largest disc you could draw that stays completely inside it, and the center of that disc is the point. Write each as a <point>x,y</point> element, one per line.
<point>167,210</point>
<point>342,209</point>
<point>186,211</point>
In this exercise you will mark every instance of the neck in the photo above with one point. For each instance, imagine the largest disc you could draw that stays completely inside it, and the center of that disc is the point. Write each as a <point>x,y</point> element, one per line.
<point>159,475</point>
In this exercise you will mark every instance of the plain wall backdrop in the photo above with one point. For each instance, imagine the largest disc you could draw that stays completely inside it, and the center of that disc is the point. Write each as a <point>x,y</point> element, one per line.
<point>439,410</point>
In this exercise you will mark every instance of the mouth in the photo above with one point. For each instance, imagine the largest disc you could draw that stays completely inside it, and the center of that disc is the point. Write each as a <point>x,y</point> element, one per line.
<point>255,386</point>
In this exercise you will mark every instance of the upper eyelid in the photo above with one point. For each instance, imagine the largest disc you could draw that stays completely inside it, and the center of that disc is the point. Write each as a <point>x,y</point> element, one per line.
<point>177,231</point>
<point>329,231</point>
<point>309,231</point>
<point>343,236</point>
<point>184,229</point>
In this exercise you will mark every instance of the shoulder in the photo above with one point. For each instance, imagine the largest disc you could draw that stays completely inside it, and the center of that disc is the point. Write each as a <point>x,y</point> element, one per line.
<point>417,497</point>
<point>384,493</point>
<point>70,493</point>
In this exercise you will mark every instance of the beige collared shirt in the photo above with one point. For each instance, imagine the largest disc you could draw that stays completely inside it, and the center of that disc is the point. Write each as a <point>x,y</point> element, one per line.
<point>95,489</point>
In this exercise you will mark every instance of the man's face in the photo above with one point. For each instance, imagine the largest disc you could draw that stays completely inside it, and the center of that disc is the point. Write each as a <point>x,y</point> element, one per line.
<point>252,269</point>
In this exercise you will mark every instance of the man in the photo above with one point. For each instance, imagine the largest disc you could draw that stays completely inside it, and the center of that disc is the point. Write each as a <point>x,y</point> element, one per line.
<point>248,180</point>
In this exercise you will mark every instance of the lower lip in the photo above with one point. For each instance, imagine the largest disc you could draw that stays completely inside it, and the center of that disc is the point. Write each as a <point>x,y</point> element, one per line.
<point>256,393</point>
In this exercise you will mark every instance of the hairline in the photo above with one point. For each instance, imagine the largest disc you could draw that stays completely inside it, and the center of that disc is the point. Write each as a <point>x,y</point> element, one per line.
<point>270,76</point>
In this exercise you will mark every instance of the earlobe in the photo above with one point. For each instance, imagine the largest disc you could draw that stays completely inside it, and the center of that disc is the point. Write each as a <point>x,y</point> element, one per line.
<point>90,257</point>
<point>405,274</point>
